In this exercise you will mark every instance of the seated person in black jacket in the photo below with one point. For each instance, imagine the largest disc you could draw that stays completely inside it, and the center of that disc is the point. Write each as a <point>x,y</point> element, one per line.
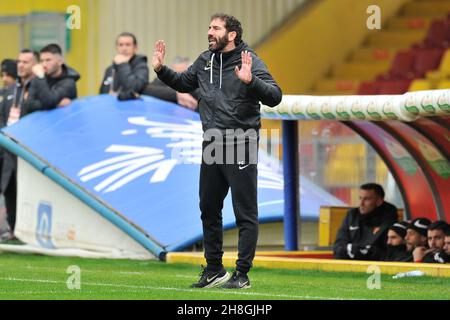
<point>362,235</point>
<point>54,83</point>
<point>436,240</point>
<point>160,90</point>
<point>396,243</point>
<point>128,76</point>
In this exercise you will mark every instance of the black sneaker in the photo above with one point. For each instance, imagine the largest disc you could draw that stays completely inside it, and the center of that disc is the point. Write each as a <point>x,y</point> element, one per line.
<point>210,279</point>
<point>238,280</point>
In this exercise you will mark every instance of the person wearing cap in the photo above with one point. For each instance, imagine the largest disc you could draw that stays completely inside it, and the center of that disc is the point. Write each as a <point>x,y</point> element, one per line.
<point>8,74</point>
<point>416,237</point>
<point>363,233</point>
<point>396,244</point>
<point>436,243</point>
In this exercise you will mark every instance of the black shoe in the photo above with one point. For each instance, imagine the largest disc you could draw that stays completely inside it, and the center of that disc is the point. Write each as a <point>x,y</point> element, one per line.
<point>210,279</point>
<point>238,280</point>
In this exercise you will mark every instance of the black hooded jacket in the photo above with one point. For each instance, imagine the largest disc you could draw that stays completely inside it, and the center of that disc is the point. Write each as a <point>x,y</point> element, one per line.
<point>37,94</point>
<point>126,78</point>
<point>225,101</point>
<point>366,233</point>
<point>47,93</point>
<point>397,253</point>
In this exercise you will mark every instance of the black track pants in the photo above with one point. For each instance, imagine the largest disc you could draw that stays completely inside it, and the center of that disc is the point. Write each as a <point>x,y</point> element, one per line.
<point>10,195</point>
<point>215,181</point>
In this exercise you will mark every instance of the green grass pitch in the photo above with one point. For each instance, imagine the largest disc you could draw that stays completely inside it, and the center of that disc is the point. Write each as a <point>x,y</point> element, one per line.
<point>42,277</point>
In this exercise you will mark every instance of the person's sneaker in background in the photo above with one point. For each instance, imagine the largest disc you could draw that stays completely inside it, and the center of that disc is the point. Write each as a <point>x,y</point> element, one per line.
<point>4,236</point>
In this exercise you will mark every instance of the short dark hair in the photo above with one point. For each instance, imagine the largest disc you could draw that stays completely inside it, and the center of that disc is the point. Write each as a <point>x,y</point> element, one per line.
<point>375,187</point>
<point>52,48</point>
<point>447,231</point>
<point>128,34</point>
<point>33,52</point>
<point>438,225</point>
<point>231,24</point>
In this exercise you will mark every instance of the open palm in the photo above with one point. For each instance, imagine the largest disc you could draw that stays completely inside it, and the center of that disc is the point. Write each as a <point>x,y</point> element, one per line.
<point>245,72</point>
<point>158,55</point>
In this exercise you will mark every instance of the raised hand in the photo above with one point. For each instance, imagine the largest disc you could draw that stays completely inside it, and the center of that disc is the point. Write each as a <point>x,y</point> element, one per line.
<point>245,73</point>
<point>419,253</point>
<point>158,55</point>
<point>38,70</point>
<point>120,58</point>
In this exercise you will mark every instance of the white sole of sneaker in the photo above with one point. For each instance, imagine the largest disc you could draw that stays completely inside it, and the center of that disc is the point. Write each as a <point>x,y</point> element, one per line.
<point>219,281</point>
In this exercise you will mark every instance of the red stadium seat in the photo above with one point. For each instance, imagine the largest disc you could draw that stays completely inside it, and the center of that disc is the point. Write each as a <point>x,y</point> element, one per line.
<point>401,68</point>
<point>438,35</point>
<point>368,88</point>
<point>394,86</point>
<point>426,60</point>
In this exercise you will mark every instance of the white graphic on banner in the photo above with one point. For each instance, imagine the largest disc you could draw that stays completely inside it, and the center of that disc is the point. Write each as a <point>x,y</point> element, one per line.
<point>185,147</point>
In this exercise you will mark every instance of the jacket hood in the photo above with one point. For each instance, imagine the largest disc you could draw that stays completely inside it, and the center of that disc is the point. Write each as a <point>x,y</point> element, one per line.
<point>229,57</point>
<point>138,58</point>
<point>69,72</point>
<point>376,217</point>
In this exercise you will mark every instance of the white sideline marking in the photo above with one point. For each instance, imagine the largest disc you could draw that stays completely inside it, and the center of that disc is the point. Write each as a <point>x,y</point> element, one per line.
<point>31,267</point>
<point>177,289</point>
<point>185,276</point>
<point>131,273</point>
<point>84,270</point>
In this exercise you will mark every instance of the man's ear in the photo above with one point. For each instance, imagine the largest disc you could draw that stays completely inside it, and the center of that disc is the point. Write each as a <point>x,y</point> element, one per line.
<point>60,60</point>
<point>232,35</point>
<point>379,202</point>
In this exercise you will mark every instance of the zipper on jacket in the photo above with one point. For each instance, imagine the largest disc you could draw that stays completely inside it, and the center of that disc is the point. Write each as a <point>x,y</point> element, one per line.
<point>213,120</point>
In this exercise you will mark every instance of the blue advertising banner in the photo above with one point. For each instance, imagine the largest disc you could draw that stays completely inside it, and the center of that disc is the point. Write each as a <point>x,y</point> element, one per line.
<point>141,159</point>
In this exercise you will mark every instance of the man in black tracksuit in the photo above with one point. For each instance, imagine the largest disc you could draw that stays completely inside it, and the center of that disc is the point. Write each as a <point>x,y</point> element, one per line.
<point>41,86</point>
<point>11,109</point>
<point>363,233</point>
<point>128,76</point>
<point>232,81</point>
